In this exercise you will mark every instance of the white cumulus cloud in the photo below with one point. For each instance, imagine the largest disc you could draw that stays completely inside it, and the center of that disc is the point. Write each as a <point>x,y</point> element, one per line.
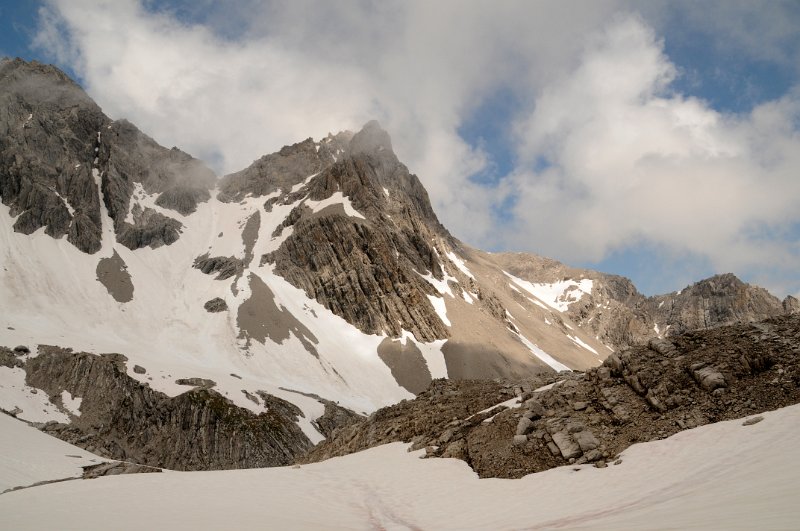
<point>624,160</point>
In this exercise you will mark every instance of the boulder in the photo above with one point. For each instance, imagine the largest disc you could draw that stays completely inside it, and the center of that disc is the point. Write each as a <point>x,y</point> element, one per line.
<point>524,426</point>
<point>586,440</point>
<point>709,378</point>
<point>614,363</point>
<point>753,420</point>
<point>456,450</point>
<point>662,346</point>
<point>566,445</point>
<point>196,382</point>
<point>535,407</point>
<point>519,440</point>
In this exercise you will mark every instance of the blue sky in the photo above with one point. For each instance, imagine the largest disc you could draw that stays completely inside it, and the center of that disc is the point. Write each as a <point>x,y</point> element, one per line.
<point>655,140</point>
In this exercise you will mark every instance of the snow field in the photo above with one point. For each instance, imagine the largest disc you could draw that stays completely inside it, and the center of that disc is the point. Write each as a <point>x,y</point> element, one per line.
<point>720,476</point>
<point>28,456</point>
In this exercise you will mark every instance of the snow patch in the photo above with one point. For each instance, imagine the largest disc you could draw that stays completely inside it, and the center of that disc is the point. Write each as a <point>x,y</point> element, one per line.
<point>335,199</point>
<point>440,307</point>
<point>71,404</point>
<point>66,203</point>
<point>721,476</point>
<point>582,344</point>
<point>28,456</point>
<point>541,354</point>
<point>459,263</point>
<point>558,295</point>
<point>442,286</point>
<point>34,403</point>
<point>297,187</point>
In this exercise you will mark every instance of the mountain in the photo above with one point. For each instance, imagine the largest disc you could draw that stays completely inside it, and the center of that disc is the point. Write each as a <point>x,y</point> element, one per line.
<point>161,312</point>
<point>618,315</point>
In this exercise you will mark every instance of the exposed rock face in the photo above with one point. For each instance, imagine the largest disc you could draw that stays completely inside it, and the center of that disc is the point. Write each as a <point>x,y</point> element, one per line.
<point>368,267</point>
<point>281,170</point>
<point>715,301</point>
<point>183,199</point>
<point>620,316</point>
<point>791,305</point>
<point>124,419</point>
<point>149,229</point>
<point>216,305</point>
<point>224,267</point>
<point>48,128</point>
<point>56,145</point>
<point>113,274</point>
<point>644,393</point>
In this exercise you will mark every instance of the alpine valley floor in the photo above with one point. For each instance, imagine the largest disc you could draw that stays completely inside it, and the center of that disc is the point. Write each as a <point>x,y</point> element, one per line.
<point>727,475</point>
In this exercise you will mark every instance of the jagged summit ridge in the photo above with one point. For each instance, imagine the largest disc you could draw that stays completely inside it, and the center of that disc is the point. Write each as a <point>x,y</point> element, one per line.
<point>620,316</point>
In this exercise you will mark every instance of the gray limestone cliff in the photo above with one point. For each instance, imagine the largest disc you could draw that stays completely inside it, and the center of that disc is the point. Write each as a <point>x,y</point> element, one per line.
<point>122,418</point>
<point>60,156</point>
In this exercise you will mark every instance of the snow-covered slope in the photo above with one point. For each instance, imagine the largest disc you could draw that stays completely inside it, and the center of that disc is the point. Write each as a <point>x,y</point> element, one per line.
<point>29,456</point>
<point>57,300</point>
<point>720,476</point>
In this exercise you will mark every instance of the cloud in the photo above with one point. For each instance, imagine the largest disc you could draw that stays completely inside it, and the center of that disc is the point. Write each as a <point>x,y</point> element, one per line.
<point>608,155</point>
<point>300,69</point>
<point>627,162</point>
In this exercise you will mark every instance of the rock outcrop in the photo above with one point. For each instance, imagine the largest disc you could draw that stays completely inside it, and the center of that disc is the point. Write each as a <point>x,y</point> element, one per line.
<point>644,393</point>
<point>215,305</point>
<point>716,301</point>
<point>60,156</point>
<point>121,418</point>
<point>282,170</point>
<point>223,266</point>
<point>434,411</point>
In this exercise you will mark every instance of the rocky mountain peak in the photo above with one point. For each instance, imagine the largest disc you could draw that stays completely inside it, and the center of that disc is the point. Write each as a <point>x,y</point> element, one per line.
<point>721,284</point>
<point>41,83</point>
<point>371,139</point>
<point>67,167</point>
